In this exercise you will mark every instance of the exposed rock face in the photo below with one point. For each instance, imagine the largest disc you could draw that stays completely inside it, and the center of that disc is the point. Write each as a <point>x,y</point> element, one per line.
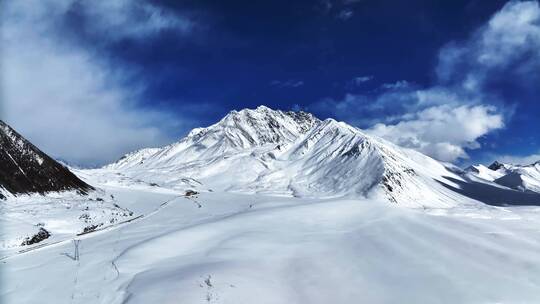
<point>496,166</point>
<point>36,238</point>
<point>26,169</point>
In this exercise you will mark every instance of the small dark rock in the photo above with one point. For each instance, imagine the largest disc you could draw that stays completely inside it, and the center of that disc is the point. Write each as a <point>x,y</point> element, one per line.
<point>90,228</point>
<point>36,238</point>
<point>496,166</point>
<point>191,193</point>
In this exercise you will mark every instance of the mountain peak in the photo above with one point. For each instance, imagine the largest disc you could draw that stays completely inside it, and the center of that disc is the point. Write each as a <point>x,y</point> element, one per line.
<point>262,125</point>
<point>260,110</point>
<point>496,165</point>
<point>263,108</point>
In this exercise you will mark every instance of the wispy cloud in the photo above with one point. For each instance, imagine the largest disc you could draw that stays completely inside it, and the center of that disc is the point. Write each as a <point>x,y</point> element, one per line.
<point>339,9</point>
<point>291,83</point>
<point>361,79</point>
<point>509,42</point>
<point>345,14</point>
<point>65,98</point>
<point>130,19</point>
<point>400,84</point>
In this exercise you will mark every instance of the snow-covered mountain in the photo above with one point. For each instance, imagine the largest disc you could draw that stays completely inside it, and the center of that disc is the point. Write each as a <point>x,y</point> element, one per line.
<point>484,172</point>
<point>293,153</point>
<point>26,169</point>
<point>312,214</point>
<point>524,178</point>
<point>518,177</point>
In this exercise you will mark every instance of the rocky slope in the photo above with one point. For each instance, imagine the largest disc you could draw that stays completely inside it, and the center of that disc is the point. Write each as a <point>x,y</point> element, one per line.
<point>26,169</point>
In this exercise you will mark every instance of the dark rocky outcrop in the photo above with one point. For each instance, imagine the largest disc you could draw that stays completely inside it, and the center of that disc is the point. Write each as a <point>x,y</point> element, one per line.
<point>191,193</point>
<point>26,169</point>
<point>496,166</point>
<point>36,238</point>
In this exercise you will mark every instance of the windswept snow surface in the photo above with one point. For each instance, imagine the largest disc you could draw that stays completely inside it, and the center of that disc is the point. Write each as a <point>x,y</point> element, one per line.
<point>218,247</point>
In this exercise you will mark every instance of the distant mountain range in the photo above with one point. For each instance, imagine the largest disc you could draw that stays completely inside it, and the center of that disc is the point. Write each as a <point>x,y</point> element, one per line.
<point>287,154</point>
<point>520,177</point>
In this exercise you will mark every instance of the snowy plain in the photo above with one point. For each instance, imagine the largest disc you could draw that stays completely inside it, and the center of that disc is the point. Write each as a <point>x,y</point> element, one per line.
<point>219,247</point>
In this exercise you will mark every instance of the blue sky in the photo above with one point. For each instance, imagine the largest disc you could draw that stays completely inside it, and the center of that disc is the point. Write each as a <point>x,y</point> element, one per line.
<point>90,80</point>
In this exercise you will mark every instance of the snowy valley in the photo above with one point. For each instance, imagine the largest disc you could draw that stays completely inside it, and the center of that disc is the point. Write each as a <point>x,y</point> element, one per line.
<point>267,206</point>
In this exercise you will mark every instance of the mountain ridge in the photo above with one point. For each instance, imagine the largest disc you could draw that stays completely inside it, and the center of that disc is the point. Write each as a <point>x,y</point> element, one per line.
<point>292,153</point>
<point>26,169</point>
<point>525,178</point>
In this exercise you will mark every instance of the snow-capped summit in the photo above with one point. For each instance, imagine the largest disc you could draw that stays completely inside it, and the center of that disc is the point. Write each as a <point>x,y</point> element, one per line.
<point>237,131</point>
<point>292,153</point>
<point>26,169</point>
<point>524,178</point>
<point>497,166</point>
<point>248,128</point>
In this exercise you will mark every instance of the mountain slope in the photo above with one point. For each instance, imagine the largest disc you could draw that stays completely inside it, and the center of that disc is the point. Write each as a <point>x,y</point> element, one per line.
<point>525,178</point>
<point>484,172</point>
<point>26,169</point>
<point>293,154</point>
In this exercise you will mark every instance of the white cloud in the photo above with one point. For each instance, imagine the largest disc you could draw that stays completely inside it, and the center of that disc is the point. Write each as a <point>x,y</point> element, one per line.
<point>389,106</point>
<point>447,118</point>
<point>442,131</point>
<point>64,98</point>
<point>438,121</point>
<point>510,42</point>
